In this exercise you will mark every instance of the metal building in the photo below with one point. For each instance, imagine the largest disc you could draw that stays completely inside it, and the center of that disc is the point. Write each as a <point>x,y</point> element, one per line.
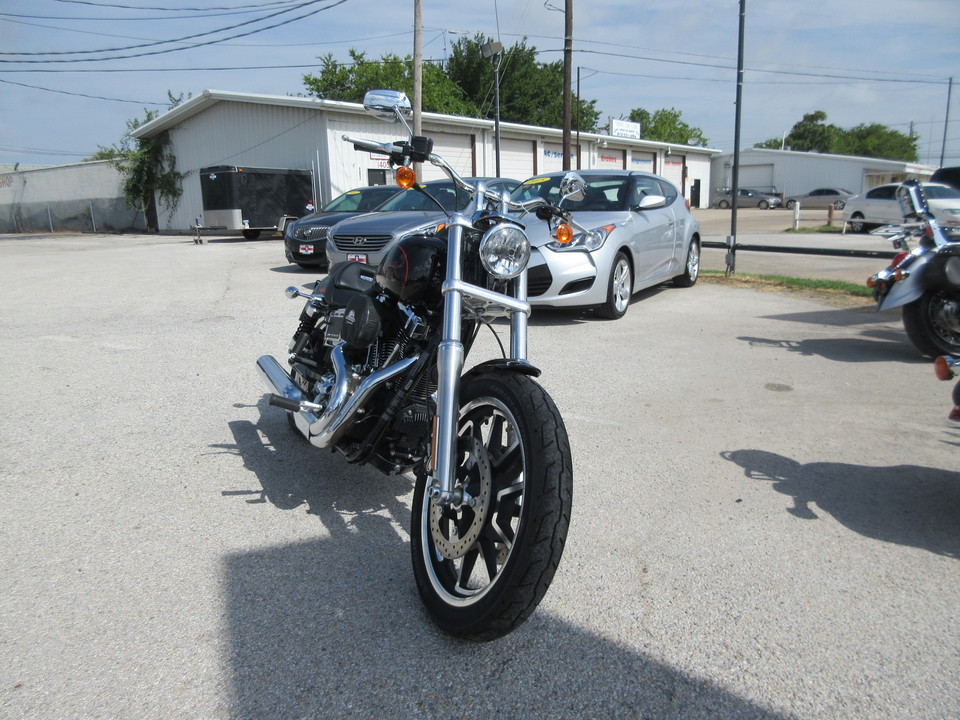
<point>789,172</point>
<point>271,131</point>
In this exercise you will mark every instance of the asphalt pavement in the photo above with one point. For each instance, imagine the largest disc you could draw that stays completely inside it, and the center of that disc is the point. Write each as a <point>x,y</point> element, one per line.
<point>766,517</point>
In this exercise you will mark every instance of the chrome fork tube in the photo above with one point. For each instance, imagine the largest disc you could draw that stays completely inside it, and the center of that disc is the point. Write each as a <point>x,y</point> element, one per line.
<point>449,366</point>
<point>518,321</point>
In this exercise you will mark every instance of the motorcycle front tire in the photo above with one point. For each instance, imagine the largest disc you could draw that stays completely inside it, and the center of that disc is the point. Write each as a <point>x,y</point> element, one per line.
<point>500,555</point>
<point>923,321</point>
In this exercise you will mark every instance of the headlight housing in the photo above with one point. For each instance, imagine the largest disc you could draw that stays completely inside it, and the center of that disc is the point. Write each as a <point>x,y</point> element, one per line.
<point>584,242</point>
<point>504,251</point>
<point>431,229</point>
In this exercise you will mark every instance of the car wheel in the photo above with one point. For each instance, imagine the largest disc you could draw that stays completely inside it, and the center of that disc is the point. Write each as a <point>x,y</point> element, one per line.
<point>619,289</point>
<point>692,271</point>
<point>839,205</point>
<point>723,205</point>
<point>791,204</point>
<point>763,205</point>
<point>856,223</point>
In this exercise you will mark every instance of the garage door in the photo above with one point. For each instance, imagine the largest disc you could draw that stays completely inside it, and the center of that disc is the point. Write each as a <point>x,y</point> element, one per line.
<point>611,159</point>
<point>756,176</point>
<point>456,150</point>
<point>552,160</point>
<point>516,158</point>
<point>641,161</point>
<point>673,170</point>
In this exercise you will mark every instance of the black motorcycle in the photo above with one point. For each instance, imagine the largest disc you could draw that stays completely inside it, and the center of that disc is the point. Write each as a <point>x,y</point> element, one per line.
<point>376,371</point>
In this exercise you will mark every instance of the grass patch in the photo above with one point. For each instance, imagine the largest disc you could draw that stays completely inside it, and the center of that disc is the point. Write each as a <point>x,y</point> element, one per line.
<point>774,282</point>
<point>822,229</point>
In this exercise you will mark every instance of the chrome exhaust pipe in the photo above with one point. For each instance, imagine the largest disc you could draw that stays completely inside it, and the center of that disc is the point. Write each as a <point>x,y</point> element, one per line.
<point>349,395</point>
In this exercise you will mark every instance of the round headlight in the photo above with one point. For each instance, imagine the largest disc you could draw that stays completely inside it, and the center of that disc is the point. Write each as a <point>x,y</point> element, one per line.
<point>505,251</point>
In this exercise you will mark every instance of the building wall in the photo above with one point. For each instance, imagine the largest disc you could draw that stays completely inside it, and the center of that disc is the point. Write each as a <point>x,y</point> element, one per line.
<point>795,173</point>
<point>85,197</point>
<point>252,134</point>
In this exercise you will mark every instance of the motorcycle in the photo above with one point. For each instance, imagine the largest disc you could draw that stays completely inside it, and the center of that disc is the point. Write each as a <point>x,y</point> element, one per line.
<point>946,367</point>
<point>925,281</point>
<point>376,372</point>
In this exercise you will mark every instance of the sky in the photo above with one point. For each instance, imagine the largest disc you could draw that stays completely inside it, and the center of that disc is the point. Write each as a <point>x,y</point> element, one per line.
<point>73,72</point>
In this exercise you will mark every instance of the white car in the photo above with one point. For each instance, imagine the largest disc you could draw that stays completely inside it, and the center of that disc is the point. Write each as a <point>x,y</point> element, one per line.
<point>879,206</point>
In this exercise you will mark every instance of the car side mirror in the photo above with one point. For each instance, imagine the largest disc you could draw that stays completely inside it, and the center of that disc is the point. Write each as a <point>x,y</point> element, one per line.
<point>650,202</point>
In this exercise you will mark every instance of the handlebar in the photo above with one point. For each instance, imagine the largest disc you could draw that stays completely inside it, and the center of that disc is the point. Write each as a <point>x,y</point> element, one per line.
<point>402,153</point>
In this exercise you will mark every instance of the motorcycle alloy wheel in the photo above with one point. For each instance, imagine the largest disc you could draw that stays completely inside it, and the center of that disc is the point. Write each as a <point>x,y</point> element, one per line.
<point>932,322</point>
<point>481,570</point>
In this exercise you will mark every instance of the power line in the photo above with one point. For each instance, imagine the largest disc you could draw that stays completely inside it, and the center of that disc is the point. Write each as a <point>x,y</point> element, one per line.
<point>77,94</point>
<point>166,42</point>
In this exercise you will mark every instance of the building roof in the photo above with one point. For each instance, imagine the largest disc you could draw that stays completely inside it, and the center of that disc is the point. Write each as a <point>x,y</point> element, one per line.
<point>209,98</point>
<point>879,163</point>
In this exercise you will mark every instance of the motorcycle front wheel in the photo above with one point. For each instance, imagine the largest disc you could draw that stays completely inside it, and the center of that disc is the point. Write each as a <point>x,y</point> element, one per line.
<point>932,322</point>
<point>482,568</point>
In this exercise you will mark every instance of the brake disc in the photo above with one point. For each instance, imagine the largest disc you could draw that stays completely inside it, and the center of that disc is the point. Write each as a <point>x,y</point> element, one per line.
<point>455,528</point>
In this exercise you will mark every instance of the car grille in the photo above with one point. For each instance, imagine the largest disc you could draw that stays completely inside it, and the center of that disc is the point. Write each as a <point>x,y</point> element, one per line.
<point>539,280</point>
<point>311,232</point>
<point>361,243</point>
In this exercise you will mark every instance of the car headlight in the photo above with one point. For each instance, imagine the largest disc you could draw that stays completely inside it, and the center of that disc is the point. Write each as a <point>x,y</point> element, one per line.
<point>504,251</point>
<point>585,242</point>
<point>431,229</point>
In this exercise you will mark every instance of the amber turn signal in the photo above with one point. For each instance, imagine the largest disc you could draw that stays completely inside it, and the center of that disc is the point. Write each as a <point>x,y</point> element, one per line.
<point>564,233</point>
<point>405,177</point>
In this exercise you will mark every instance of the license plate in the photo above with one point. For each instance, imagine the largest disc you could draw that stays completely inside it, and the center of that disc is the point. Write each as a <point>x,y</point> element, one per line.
<point>306,249</point>
<point>357,257</point>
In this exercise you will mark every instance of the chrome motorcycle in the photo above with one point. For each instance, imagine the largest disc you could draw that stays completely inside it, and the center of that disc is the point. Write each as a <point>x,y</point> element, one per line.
<point>376,372</point>
<point>925,281</point>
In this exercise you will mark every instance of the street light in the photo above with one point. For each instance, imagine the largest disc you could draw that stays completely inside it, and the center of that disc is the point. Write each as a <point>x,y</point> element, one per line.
<point>493,50</point>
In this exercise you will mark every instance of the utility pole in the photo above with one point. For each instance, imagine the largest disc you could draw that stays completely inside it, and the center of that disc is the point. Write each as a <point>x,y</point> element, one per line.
<point>417,67</point>
<point>946,121</point>
<point>567,81</point>
<point>735,187</point>
<point>417,74</point>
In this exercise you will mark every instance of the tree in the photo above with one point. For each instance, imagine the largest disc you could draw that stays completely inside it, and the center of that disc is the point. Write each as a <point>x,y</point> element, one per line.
<point>813,134</point>
<point>148,168</point>
<point>350,81</point>
<point>665,125</point>
<point>531,92</point>
<point>879,141</point>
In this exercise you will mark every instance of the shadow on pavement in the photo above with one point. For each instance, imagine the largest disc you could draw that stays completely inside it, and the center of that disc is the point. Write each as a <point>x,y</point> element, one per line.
<point>903,504</point>
<point>333,626</point>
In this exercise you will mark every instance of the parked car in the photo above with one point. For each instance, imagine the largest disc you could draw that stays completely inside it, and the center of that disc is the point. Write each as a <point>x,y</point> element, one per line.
<point>643,235</point>
<point>745,198</point>
<point>879,206</point>
<point>366,238</point>
<point>821,198</point>
<point>305,240</point>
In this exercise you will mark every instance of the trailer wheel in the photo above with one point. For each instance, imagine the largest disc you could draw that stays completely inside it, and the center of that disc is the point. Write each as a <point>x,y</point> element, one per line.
<point>251,234</point>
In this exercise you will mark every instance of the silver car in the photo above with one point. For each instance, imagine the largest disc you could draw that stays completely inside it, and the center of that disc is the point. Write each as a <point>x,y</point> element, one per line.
<point>642,235</point>
<point>821,198</point>
<point>366,238</point>
<point>746,198</point>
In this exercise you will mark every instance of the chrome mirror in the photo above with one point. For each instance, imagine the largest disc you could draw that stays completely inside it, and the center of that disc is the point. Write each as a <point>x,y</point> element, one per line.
<point>572,187</point>
<point>912,199</point>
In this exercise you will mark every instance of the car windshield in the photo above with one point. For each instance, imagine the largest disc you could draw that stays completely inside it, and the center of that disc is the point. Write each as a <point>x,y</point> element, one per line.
<point>355,200</point>
<point>452,200</point>
<point>604,192</point>
<point>941,192</point>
